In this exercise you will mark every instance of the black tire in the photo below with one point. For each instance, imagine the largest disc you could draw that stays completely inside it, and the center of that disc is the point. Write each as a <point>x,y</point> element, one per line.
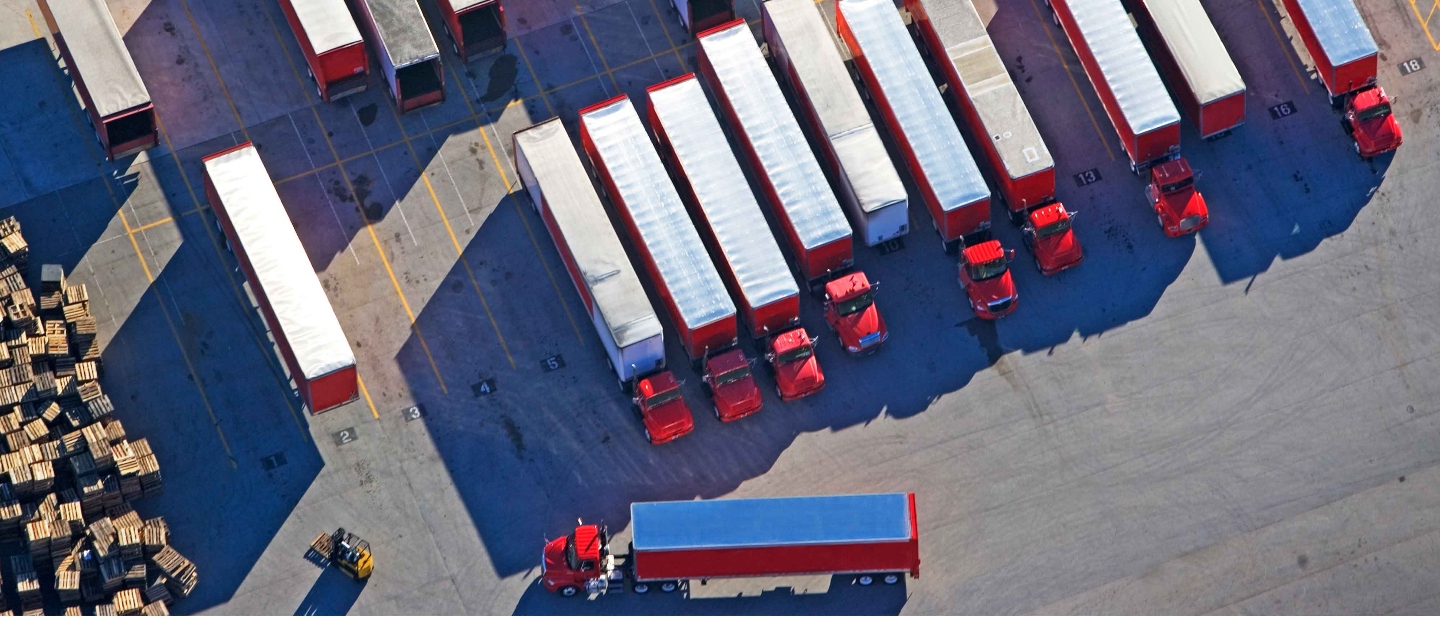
<point>717,412</point>
<point>1038,268</point>
<point>569,591</point>
<point>709,391</point>
<point>650,439</point>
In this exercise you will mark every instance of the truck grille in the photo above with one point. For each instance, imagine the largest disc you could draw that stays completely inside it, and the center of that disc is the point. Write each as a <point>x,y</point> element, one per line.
<point>1000,306</point>
<point>870,340</point>
<point>1190,222</point>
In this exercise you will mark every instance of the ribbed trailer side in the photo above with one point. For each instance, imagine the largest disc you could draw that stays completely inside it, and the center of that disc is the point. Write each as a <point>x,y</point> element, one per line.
<point>560,189</point>
<point>950,182</point>
<point>1202,76</point>
<point>815,227</point>
<point>1337,38</point>
<point>1123,75</point>
<point>104,73</point>
<point>850,146</point>
<point>710,178</point>
<point>842,534</point>
<point>996,114</point>
<point>660,228</point>
<point>475,27</point>
<point>408,56</point>
<point>334,50</point>
<point>309,337</point>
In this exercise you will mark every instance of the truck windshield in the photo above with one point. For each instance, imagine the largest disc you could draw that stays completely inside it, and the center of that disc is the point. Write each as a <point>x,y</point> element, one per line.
<point>987,270</point>
<point>1177,186</point>
<point>1058,227</point>
<point>662,398</point>
<point>1375,113</point>
<point>571,558</point>
<point>733,375</point>
<point>796,355</point>
<point>856,304</point>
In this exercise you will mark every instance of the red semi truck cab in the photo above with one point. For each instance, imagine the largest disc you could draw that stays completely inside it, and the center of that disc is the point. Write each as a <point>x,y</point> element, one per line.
<point>1371,123</point>
<point>985,276</point>
<point>727,378</point>
<point>850,311</point>
<point>661,408</point>
<point>1048,233</point>
<point>792,357</point>
<point>1347,62</point>
<point>1179,207</point>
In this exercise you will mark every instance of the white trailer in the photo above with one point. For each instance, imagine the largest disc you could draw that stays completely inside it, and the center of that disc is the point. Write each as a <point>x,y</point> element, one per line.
<point>408,56</point>
<point>560,190</point>
<point>808,59</point>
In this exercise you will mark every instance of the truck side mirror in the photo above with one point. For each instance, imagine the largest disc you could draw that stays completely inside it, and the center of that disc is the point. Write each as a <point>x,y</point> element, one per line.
<point>1073,215</point>
<point>1010,255</point>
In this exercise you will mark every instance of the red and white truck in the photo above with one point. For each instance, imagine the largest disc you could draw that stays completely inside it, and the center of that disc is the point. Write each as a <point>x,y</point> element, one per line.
<point>409,58</point>
<point>897,79</point>
<point>560,190</point>
<point>259,232</point>
<point>1189,52</point>
<point>850,147</point>
<point>874,537</point>
<point>117,105</point>
<point>720,200</point>
<point>701,15</point>
<point>1347,59</point>
<point>661,231</point>
<point>475,27</point>
<point>1000,122</point>
<point>334,51</point>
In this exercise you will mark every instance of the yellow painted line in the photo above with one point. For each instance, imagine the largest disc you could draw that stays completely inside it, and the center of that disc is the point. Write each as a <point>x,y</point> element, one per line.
<point>225,90</point>
<point>369,227</point>
<point>1284,49</point>
<point>535,77</point>
<point>1424,21</point>
<point>366,392</point>
<point>510,190</point>
<point>35,28</point>
<point>586,23</point>
<point>1055,46</point>
<point>160,222</point>
<point>370,152</point>
<point>671,40</point>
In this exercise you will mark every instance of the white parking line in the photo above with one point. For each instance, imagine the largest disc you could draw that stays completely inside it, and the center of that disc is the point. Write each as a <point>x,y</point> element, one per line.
<point>321,183</point>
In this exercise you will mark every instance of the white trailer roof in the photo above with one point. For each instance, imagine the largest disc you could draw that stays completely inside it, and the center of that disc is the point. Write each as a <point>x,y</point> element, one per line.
<point>100,55</point>
<point>916,103</point>
<point>724,195</point>
<point>279,262</point>
<point>403,31</point>
<point>1340,29</point>
<point>1111,37</point>
<point>327,24</point>
<point>1196,47</point>
<point>784,155</point>
<point>847,124</point>
<point>1007,121</point>
<point>646,192</point>
<point>462,5</point>
<point>586,231</point>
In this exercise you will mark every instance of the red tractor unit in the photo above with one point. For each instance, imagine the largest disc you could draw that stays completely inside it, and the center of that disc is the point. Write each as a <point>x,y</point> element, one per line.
<point>850,311</point>
<point>117,105</point>
<point>409,58</point>
<point>873,537</point>
<point>334,52</point>
<point>985,277</point>
<point>1050,238</point>
<point>1346,58</point>
<point>897,79</point>
<point>850,146</point>
<point>676,259</point>
<point>560,189</point>
<point>475,26</point>
<point>308,336</point>
<point>1179,207</point>
<point>701,15</point>
<point>1202,76</point>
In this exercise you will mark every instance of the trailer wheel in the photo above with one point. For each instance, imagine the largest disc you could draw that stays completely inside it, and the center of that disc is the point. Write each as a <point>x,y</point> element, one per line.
<point>1055,17</point>
<point>569,591</point>
<point>891,579</point>
<point>865,580</point>
<point>641,588</point>
<point>669,586</point>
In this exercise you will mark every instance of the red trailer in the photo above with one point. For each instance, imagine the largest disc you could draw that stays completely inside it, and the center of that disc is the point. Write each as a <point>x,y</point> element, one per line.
<point>991,105</point>
<point>702,15</point>
<point>117,105</point>
<point>815,227</point>
<point>299,316</point>
<point>896,76</point>
<point>408,57</point>
<point>1202,76</point>
<point>875,537</point>
<point>475,26</point>
<point>1129,87</point>
<point>334,51</point>
<point>1339,42</point>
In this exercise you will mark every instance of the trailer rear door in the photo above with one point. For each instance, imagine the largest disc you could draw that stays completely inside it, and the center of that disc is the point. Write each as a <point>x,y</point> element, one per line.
<point>406,50</point>
<point>100,64</point>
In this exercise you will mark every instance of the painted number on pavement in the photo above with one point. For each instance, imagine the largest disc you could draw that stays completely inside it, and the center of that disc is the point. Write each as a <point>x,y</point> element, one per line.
<point>1410,66</point>
<point>553,363</point>
<point>890,246</point>
<point>412,413</point>
<point>1283,110</point>
<point>1087,177</point>
<point>344,436</point>
<point>483,387</point>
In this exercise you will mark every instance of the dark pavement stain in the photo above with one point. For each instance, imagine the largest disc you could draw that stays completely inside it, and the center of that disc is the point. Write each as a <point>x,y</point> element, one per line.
<point>517,439</point>
<point>502,78</point>
<point>367,114</point>
<point>179,60</point>
<point>1302,560</point>
<point>567,28</point>
<point>169,28</point>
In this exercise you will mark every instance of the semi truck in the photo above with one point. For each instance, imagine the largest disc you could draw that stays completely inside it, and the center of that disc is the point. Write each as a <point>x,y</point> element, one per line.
<point>897,79</point>
<point>725,210</point>
<point>630,333</point>
<point>874,537</point>
<point>808,60</point>
<point>475,27</point>
<point>985,277</point>
<point>701,15</point>
<point>409,58</point>
<point>310,341</point>
<point>1194,61</point>
<point>334,51</point>
<point>661,231</point>
<point>1346,58</point>
<point>1024,170</point>
<point>117,105</point>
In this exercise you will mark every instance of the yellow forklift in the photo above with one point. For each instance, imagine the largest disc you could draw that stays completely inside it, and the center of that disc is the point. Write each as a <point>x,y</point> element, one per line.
<point>345,551</point>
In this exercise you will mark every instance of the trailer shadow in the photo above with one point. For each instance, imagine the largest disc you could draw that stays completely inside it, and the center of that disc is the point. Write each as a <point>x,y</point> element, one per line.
<point>842,598</point>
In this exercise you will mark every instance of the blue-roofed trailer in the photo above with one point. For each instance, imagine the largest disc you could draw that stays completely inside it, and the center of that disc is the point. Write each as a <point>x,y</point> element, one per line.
<point>874,537</point>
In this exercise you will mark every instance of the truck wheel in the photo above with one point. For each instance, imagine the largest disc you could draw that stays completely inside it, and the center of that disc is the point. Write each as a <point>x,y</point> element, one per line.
<point>652,441</point>
<point>717,413</point>
<point>705,388</point>
<point>569,591</point>
<point>865,580</point>
<point>778,394</point>
<point>1038,268</point>
<point>669,586</point>
<point>891,579</point>
<point>1161,221</point>
<point>641,588</point>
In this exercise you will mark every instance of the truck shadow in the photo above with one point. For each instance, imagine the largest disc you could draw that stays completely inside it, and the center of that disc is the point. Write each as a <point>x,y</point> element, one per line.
<point>843,598</point>
<point>333,593</point>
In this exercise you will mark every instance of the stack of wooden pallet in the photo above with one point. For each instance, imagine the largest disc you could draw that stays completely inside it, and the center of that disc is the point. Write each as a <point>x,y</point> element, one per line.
<point>68,467</point>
